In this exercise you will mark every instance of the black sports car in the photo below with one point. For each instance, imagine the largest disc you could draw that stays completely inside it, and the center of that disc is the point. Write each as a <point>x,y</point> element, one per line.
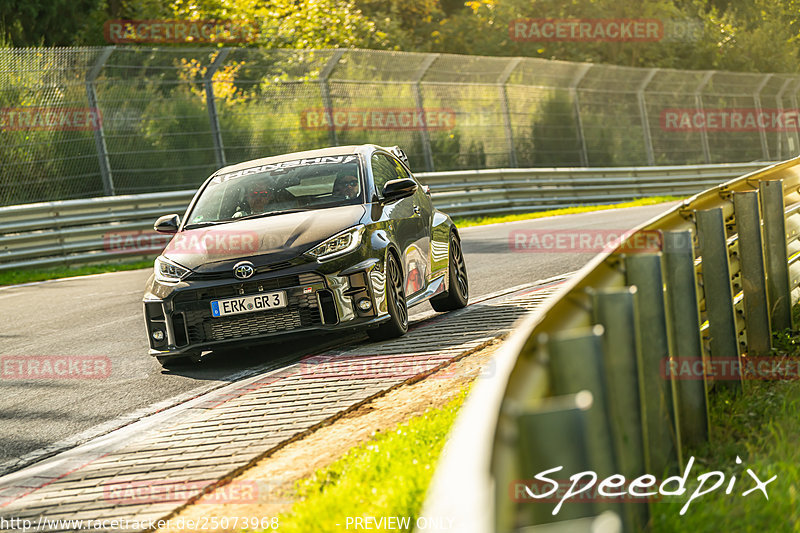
<point>326,239</point>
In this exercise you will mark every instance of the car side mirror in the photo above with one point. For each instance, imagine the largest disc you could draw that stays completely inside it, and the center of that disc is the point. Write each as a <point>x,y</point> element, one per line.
<point>397,189</point>
<point>167,224</point>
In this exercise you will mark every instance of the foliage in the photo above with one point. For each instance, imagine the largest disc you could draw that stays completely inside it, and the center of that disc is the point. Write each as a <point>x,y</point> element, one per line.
<point>738,35</point>
<point>760,426</point>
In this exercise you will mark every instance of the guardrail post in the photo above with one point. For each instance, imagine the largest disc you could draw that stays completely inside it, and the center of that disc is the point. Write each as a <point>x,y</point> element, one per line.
<point>683,320</point>
<point>211,104</point>
<point>552,435</point>
<point>573,91</point>
<point>723,337</point>
<point>648,139</point>
<point>325,92</point>
<point>418,101</point>
<point>501,82</point>
<point>99,131</point>
<point>754,285</point>
<point>615,310</point>
<point>663,439</point>
<point>576,364</point>
<point>698,102</point>
<point>779,295</point>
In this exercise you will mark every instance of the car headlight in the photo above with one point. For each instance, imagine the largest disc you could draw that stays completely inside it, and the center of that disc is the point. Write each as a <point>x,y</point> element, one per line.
<point>339,244</point>
<point>168,271</point>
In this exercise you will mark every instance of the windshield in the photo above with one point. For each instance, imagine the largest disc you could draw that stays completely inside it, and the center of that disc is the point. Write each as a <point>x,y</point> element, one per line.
<point>302,184</point>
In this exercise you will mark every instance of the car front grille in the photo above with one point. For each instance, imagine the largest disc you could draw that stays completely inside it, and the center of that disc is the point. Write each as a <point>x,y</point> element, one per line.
<point>302,311</point>
<point>203,329</point>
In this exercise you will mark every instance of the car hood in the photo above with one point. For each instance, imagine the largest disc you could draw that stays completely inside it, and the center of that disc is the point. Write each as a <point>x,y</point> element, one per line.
<point>261,240</point>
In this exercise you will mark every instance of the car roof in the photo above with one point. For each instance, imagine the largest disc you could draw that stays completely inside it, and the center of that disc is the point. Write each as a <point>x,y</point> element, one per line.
<point>362,149</point>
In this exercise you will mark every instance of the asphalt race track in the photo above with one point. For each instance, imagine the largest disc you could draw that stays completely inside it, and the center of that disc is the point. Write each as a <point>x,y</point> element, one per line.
<point>101,316</point>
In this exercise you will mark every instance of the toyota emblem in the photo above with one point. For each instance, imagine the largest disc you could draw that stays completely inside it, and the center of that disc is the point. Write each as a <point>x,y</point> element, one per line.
<point>244,270</point>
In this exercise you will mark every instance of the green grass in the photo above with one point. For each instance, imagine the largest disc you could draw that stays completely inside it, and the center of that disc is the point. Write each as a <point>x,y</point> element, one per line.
<point>762,427</point>
<point>13,277</point>
<point>463,222</point>
<point>386,476</point>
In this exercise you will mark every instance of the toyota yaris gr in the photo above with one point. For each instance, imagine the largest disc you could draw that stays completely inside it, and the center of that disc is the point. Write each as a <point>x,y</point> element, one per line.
<point>331,239</point>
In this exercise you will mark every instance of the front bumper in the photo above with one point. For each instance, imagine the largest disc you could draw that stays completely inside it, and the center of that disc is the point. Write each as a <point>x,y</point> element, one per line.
<point>316,301</point>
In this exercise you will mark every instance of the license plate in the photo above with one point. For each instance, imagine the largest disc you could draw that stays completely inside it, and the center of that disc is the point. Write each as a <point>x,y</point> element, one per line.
<point>248,304</point>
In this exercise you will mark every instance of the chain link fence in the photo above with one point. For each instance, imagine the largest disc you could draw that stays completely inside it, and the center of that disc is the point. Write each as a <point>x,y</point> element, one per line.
<point>83,122</point>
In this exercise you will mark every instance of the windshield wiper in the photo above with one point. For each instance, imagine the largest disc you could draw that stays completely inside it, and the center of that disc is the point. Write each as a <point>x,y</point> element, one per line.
<point>270,214</point>
<point>204,224</point>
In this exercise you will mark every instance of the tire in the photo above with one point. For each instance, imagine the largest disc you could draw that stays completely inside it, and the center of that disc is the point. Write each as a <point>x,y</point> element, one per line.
<point>175,361</point>
<point>397,325</point>
<point>457,293</point>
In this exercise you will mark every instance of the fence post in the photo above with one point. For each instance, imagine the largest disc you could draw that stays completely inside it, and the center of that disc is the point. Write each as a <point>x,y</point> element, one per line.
<point>723,337</point>
<point>99,132</point>
<point>418,102</point>
<point>211,104</point>
<point>754,285</point>
<point>779,102</point>
<point>501,82</point>
<point>648,139</point>
<point>573,91</point>
<point>698,103</point>
<point>683,319</point>
<point>757,101</point>
<point>794,145</point>
<point>325,92</point>
<point>779,294</point>
<point>663,439</point>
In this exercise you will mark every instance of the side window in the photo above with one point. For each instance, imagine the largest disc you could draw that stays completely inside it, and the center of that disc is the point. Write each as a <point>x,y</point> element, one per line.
<point>383,170</point>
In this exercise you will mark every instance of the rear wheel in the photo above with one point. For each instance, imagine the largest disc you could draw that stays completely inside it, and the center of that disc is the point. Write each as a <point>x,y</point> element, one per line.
<point>175,361</point>
<point>458,291</point>
<point>397,325</point>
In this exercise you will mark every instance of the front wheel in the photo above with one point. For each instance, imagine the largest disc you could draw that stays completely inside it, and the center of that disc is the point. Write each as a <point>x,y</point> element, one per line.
<point>458,291</point>
<point>397,325</point>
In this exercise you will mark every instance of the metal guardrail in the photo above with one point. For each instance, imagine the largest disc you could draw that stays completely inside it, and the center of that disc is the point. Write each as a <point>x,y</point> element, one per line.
<point>582,382</point>
<point>82,231</point>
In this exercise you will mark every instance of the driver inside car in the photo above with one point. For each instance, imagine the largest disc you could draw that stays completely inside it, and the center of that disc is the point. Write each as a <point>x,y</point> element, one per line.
<point>346,186</point>
<point>259,200</point>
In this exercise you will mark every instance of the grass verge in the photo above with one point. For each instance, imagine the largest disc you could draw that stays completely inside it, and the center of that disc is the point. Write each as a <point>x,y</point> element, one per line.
<point>387,475</point>
<point>761,426</point>
<point>14,277</point>
<point>463,222</point>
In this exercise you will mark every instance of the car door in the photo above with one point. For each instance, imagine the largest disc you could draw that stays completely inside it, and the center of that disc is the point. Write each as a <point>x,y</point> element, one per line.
<point>410,221</point>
